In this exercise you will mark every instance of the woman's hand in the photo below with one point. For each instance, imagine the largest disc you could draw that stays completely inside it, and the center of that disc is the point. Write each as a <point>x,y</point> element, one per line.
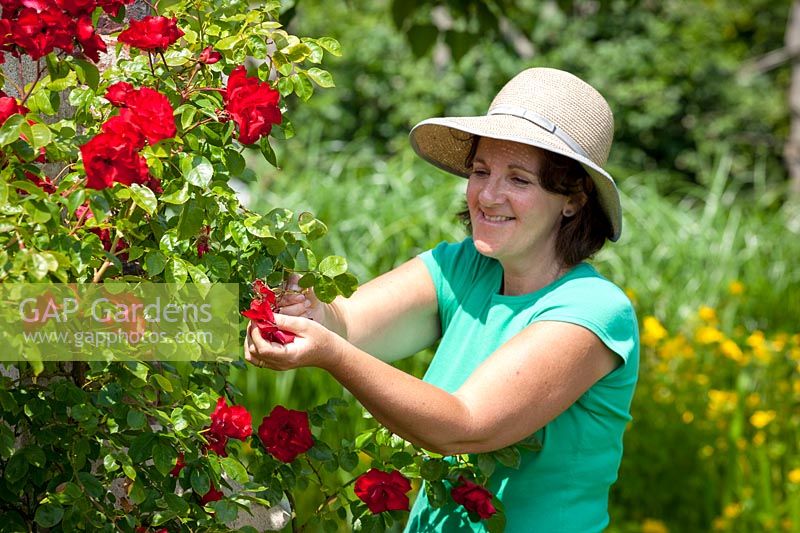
<point>304,303</point>
<point>314,345</point>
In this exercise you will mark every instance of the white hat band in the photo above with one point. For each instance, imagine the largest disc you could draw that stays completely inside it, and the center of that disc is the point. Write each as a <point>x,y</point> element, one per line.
<point>542,122</point>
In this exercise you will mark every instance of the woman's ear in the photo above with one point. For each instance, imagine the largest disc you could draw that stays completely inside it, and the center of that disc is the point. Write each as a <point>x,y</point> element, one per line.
<point>574,204</point>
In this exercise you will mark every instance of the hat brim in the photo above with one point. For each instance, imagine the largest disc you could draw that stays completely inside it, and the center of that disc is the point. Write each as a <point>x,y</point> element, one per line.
<point>446,142</point>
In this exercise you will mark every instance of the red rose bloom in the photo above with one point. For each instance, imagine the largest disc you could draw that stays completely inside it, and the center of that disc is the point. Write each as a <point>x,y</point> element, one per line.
<point>179,464</point>
<point>110,157</point>
<point>117,93</point>
<point>211,496</point>
<point>475,498</point>
<point>39,32</point>
<point>234,421</point>
<point>112,7</point>
<point>209,56</point>
<point>9,106</point>
<point>76,8</point>
<point>383,491</point>
<point>261,313</point>
<point>149,111</point>
<point>151,33</point>
<point>6,39</point>
<point>91,43</point>
<point>253,104</point>
<point>285,433</point>
<point>216,443</point>
<point>202,242</point>
<point>43,182</point>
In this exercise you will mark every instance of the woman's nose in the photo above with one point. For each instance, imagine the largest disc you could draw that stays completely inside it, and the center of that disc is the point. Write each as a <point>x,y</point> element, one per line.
<point>491,193</point>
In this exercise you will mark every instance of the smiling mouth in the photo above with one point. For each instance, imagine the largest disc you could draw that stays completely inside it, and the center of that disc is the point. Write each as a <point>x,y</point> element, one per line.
<point>494,218</point>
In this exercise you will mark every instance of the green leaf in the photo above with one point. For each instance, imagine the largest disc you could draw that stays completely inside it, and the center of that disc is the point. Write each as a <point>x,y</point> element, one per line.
<point>285,86</point>
<point>191,219</point>
<point>16,468</point>
<point>154,262</point>
<point>433,469</point>
<point>422,37</point>
<point>227,43</point>
<point>331,45</point>
<point>347,284</point>
<point>235,163</point>
<point>313,228</point>
<point>332,266</point>
<point>225,511</point>
<point>87,73</point>
<point>90,483</point>
<point>267,151</point>
<point>163,382</point>
<point>348,460</point>
<point>136,419</point>
<point>164,456</point>
<point>141,447</point>
<point>176,272</point>
<point>235,469</point>
<point>401,459</point>
<point>258,226</point>
<point>486,463</point>
<point>197,171</point>
<point>187,116</point>
<point>49,514</point>
<point>138,493</point>
<point>40,136</point>
<point>509,457</point>
<point>10,130</point>
<point>144,198</point>
<point>200,482</point>
<point>302,85</point>
<point>297,52</point>
<point>177,196</point>
<point>321,77</point>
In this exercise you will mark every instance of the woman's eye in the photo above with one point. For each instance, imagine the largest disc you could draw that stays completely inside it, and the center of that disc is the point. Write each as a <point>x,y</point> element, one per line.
<point>520,181</point>
<point>478,172</point>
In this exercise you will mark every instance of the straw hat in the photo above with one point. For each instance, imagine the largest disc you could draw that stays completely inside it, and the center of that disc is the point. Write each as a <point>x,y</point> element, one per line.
<point>543,107</point>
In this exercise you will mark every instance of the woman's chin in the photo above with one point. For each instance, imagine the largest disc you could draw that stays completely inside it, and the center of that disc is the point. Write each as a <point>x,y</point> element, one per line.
<point>484,247</point>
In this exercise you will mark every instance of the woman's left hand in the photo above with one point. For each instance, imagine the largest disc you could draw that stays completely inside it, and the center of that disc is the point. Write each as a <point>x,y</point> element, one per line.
<point>314,345</point>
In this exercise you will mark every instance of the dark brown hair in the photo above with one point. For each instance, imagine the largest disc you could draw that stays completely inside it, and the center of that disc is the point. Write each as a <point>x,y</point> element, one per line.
<point>580,236</point>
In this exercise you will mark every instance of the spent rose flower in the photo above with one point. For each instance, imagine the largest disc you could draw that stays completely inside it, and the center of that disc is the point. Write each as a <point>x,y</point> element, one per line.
<point>475,498</point>
<point>262,315</point>
<point>43,182</point>
<point>231,421</point>
<point>253,104</point>
<point>383,491</point>
<point>285,433</point>
<point>151,33</point>
<point>202,242</point>
<point>209,56</point>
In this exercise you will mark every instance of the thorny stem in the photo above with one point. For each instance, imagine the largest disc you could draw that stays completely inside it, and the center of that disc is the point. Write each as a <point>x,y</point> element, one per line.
<point>39,72</point>
<point>295,527</point>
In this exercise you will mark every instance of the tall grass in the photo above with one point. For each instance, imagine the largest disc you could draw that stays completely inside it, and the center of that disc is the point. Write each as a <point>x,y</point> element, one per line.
<point>717,246</point>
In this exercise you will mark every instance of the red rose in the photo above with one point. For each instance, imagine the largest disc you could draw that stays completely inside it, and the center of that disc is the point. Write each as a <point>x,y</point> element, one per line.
<point>9,106</point>
<point>43,182</point>
<point>261,312</point>
<point>76,8</point>
<point>234,421</point>
<point>253,104</point>
<point>6,38</point>
<point>475,498</point>
<point>110,157</point>
<point>39,32</point>
<point>285,433</point>
<point>117,93</point>
<point>179,464</point>
<point>151,112</point>
<point>151,33</point>
<point>211,496</point>
<point>209,56</point>
<point>112,7</point>
<point>91,43</point>
<point>120,127</point>
<point>216,443</point>
<point>383,491</point>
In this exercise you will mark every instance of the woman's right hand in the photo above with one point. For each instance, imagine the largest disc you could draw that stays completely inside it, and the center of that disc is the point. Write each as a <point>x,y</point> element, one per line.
<point>295,301</point>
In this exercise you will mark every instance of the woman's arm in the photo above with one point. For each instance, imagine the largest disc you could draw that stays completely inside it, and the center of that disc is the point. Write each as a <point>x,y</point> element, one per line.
<point>393,316</point>
<point>526,383</point>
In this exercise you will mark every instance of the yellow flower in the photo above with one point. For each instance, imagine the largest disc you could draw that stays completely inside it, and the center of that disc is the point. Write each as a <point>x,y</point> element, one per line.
<point>721,401</point>
<point>752,400</point>
<point>676,346</point>
<point>779,341</point>
<point>706,451</point>
<point>755,339</point>
<point>650,525</point>
<point>760,419</point>
<point>736,287</point>
<point>707,314</point>
<point>719,524</point>
<point>787,524</point>
<point>653,331</point>
<point>708,335</point>
<point>794,476</point>
<point>701,379</point>
<point>687,417</point>
<point>631,294</point>
<point>759,438</point>
<point>732,351</point>
<point>732,510</point>
<point>796,387</point>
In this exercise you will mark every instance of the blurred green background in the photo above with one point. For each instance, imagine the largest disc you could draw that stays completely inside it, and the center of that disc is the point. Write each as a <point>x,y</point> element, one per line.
<point>711,240</point>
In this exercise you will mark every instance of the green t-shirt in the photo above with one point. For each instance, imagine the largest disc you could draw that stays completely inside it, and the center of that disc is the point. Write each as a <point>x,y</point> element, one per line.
<point>564,487</point>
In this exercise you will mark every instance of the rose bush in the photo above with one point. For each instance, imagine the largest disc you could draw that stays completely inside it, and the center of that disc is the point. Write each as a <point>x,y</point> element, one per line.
<point>142,194</point>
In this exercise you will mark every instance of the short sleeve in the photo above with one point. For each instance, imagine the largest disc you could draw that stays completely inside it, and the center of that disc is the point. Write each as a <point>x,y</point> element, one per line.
<point>601,307</point>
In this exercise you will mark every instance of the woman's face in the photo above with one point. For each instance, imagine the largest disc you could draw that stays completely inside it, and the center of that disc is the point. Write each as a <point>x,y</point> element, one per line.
<point>514,220</point>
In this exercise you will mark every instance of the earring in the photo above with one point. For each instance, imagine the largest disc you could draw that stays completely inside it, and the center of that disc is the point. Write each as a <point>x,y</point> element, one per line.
<point>569,213</point>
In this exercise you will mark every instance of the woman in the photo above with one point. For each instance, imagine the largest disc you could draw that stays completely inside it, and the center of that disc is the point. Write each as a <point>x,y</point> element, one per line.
<point>533,340</point>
